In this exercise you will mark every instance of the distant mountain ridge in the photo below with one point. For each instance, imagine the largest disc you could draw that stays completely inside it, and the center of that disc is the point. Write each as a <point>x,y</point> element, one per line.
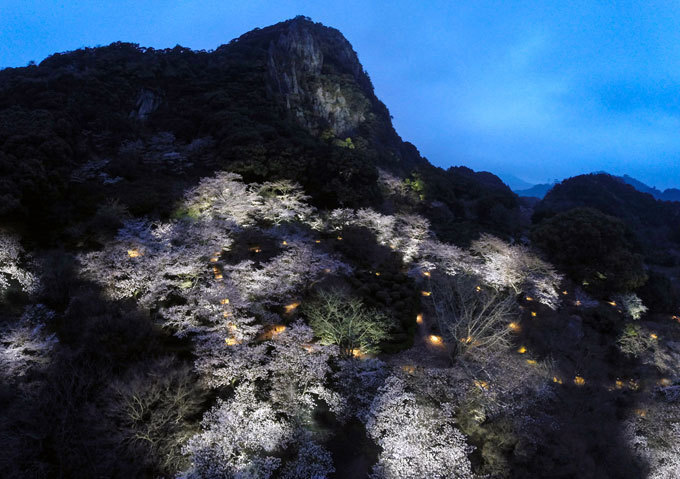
<point>542,189</point>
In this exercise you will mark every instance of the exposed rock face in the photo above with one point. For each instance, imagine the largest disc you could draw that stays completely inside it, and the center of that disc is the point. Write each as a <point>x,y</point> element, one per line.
<point>147,103</point>
<point>318,75</point>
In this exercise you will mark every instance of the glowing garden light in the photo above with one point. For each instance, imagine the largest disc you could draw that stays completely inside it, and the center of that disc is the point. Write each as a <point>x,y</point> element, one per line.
<point>278,329</point>
<point>556,380</point>
<point>522,350</point>
<point>426,293</point>
<point>654,336</point>
<point>419,318</point>
<point>483,385</point>
<point>579,381</point>
<point>289,308</point>
<point>533,314</point>
<point>514,327</point>
<point>134,253</point>
<point>224,301</point>
<point>408,368</point>
<point>435,340</point>
<point>231,341</point>
<point>529,298</point>
<point>532,362</point>
<point>427,274</point>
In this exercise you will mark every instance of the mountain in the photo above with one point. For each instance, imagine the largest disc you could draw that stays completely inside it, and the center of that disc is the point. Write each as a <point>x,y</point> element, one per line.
<point>656,223</point>
<point>514,182</point>
<point>138,126</point>
<point>536,191</point>
<point>670,194</point>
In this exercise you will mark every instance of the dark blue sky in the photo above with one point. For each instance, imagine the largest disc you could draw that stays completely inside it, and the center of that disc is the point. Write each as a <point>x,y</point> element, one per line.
<point>541,90</point>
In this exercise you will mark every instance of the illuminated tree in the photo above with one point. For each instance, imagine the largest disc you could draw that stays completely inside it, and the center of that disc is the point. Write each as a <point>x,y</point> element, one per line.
<point>418,439</point>
<point>515,267</point>
<point>240,439</point>
<point>347,323</point>
<point>26,343</point>
<point>471,316</point>
<point>11,257</point>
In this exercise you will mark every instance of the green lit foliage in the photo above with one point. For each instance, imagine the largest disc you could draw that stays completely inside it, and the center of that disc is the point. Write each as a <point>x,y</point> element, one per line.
<point>635,340</point>
<point>347,323</point>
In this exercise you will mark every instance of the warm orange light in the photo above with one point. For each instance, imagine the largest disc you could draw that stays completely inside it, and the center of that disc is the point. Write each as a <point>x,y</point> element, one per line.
<point>619,384</point>
<point>427,274</point>
<point>653,336</point>
<point>611,303</point>
<point>317,241</point>
<point>134,253</point>
<point>533,314</point>
<point>226,314</point>
<point>408,368</point>
<point>255,249</point>
<point>664,382</point>
<point>308,347</point>
<point>224,301</point>
<point>218,276</point>
<point>565,292</point>
<point>357,353</point>
<point>426,293</point>
<point>557,380</point>
<point>515,327</point>
<point>419,318</point>
<point>284,243</point>
<point>436,340</point>
<point>377,273</point>
<point>483,385</point>
<point>289,308</point>
<point>641,412</point>
<point>578,302</point>
<point>529,298</point>
<point>467,340</point>
<point>522,350</point>
<point>214,259</point>
<point>231,341</point>
<point>478,288</point>
<point>339,238</point>
<point>532,362</point>
<point>579,381</point>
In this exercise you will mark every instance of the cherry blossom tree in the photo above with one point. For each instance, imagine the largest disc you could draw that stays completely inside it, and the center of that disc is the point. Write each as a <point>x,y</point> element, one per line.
<point>11,258</point>
<point>418,439</point>
<point>515,267</point>
<point>26,343</point>
<point>240,439</point>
